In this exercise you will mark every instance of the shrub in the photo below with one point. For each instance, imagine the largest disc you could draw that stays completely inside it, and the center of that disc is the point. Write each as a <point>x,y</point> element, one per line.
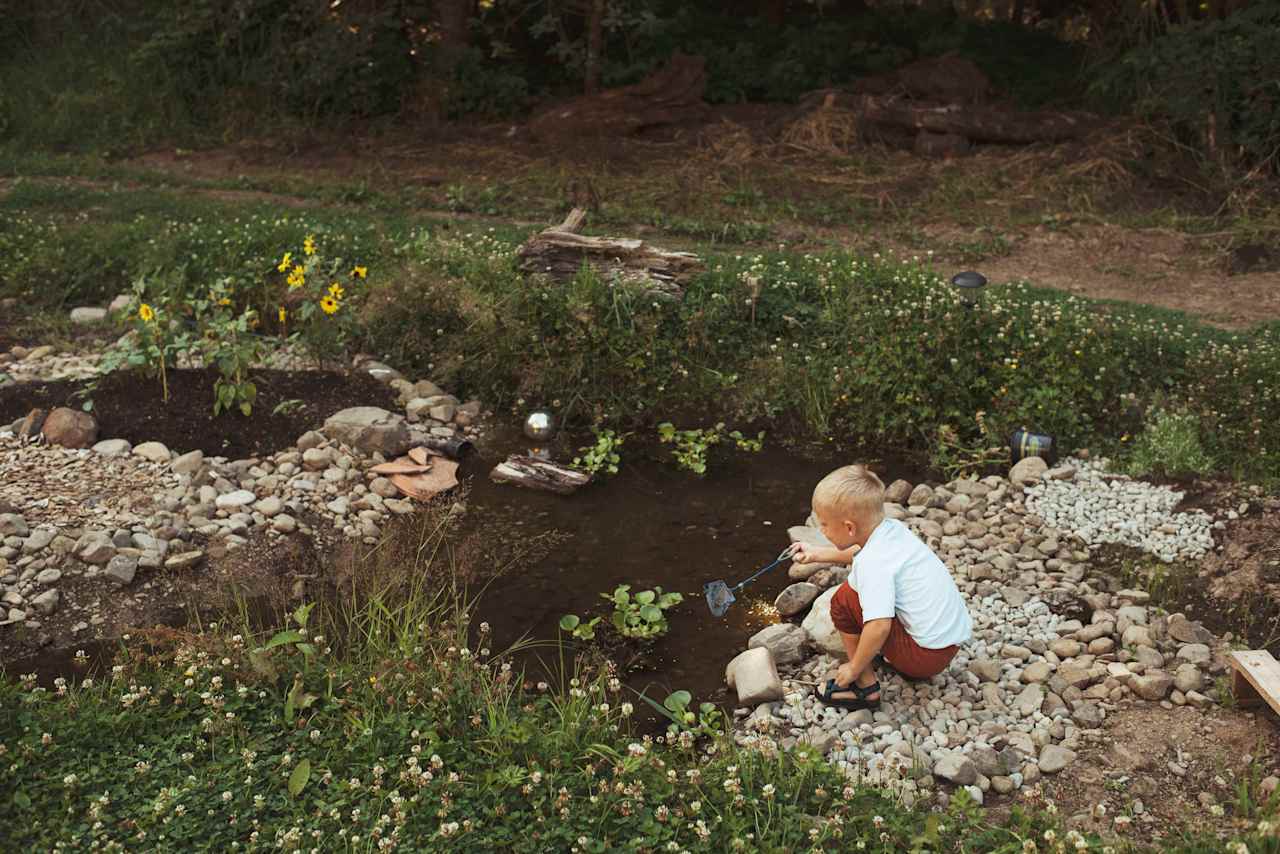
<point>1213,80</point>
<point>1170,445</point>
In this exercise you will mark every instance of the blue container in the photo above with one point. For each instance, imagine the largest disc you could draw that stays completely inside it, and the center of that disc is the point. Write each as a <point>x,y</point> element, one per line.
<point>1024,443</point>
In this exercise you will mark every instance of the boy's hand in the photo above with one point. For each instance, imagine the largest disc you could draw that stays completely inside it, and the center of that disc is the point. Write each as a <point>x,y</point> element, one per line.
<point>804,553</point>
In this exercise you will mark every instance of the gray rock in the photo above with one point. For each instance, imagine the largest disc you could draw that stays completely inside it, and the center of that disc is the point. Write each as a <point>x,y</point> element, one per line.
<point>113,448</point>
<point>154,452</point>
<point>1088,714</point>
<point>122,302</point>
<point>1152,685</point>
<point>317,459</point>
<point>45,577</point>
<point>796,597</point>
<point>754,676</point>
<point>47,602</point>
<point>820,740</point>
<point>369,428</point>
<point>121,569</point>
<point>189,463</point>
<point>985,669</point>
<point>786,641</point>
<point>86,315</point>
<point>1188,631</point>
<point>1188,678</point>
<point>1036,671</point>
<point>818,626</point>
<point>383,487</point>
<point>269,506</point>
<point>920,496</point>
<point>310,439</point>
<point>284,523</point>
<point>1054,757</point>
<point>186,560</point>
<point>13,525</point>
<point>1196,653</point>
<point>1029,701</point>
<point>898,492</point>
<point>38,540</point>
<point>235,500</point>
<point>956,768</point>
<point>1066,648</point>
<point>1028,470</point>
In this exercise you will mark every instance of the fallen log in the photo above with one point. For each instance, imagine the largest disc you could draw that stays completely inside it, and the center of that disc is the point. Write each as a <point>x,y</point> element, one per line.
<point>560,252</point>
<point>534,473</point>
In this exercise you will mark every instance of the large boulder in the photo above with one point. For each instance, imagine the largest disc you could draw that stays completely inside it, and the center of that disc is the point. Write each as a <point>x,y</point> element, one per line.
<point>369,428</point>
<point>70,428</point>
<point>786,641</point>
<point>818,626</point>
<point>1028,470</point>
<point>755,677</point>
<point>796,597</point>
<point>898,492</point>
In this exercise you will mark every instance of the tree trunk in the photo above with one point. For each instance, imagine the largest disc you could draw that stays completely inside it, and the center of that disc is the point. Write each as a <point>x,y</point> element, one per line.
<point>453,17</point>
<point>595,44</point>
<point>539,474</point>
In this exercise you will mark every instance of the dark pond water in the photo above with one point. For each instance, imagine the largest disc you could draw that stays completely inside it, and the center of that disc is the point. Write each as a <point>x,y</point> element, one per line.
<point>654,525</point>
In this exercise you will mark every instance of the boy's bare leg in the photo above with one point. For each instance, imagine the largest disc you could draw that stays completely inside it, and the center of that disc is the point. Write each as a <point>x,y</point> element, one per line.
<point>845,676</point>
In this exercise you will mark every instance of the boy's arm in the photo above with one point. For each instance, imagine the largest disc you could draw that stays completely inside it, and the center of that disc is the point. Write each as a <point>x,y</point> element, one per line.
<point>807,553</point>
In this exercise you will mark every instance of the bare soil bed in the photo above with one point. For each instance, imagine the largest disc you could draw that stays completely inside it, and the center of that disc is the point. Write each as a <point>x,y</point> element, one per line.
<point>130,406</point>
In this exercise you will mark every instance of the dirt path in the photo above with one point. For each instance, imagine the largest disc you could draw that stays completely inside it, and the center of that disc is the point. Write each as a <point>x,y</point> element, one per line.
<point>1013,210</point>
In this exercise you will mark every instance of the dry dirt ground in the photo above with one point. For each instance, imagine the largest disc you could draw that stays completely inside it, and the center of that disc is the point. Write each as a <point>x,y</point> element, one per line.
<point>1165,769</point>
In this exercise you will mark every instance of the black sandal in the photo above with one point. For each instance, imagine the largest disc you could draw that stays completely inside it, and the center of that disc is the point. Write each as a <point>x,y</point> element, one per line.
<point>858,701</point>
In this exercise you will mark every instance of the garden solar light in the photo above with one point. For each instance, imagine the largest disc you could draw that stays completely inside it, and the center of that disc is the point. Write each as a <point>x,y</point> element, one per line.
<point>970,285</point>
<point>540,426</point>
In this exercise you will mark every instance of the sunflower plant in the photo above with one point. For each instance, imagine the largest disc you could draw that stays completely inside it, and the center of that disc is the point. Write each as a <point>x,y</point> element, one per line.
<point>228,339</point>
<point>153,344</point>
<point>320,297</point>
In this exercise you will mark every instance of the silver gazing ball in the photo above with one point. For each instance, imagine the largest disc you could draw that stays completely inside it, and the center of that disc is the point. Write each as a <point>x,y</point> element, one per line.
<point>540,425</point>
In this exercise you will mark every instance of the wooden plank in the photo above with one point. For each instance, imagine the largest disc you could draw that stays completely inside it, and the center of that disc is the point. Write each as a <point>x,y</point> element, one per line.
<point>1257,676</point>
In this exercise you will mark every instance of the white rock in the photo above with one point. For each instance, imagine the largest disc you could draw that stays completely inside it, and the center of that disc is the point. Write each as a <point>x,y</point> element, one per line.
<point>269,506</point>
<point>1028,470</point>
<point>113,448</point>
<point>1053,758</point>
<point>786,641</point>
<point>155,452</point>
<point>234,500</point>
<point>818,626</point>
<point>754,676</point>
<point>188,463</point>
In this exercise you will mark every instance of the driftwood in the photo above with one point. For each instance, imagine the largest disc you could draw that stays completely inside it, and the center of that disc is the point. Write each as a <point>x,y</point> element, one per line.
<point>539,474</point>
<point>560,252</point>
<point>671,95</point>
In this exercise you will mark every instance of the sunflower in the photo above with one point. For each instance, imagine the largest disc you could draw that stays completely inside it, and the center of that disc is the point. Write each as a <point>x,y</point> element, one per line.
<point>297,278</point>
<point>360,272</point>
<point>336,291</point>
<point>284,315</point>
<point>309,245</point>
<point>329,304</point>
<point>146,313</point>
<point>284,262</point>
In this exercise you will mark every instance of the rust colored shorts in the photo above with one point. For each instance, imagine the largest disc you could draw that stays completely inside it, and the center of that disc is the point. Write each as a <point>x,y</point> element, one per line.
<point>900,650</point>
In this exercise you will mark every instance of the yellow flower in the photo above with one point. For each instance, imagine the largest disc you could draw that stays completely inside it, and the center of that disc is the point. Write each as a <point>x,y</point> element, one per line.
<point>284,262</point>
<point>284,315</point>
<point>336,291</point>
<point>360,272</point>
<point>224,301</point>
<point>329,304</point>
<point>309,245</point>
<point>146,313</point>
<point>297,278</point>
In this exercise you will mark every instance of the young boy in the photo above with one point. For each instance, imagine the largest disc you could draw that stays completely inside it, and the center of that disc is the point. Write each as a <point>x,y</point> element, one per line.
<point>900,601</point>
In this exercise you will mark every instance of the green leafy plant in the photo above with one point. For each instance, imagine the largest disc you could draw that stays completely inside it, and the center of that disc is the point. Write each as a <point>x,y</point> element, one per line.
<point>321,298</point>
<point>956,457</point>
<point>603,456</point>
<point>707,721</point>
<point>1170,445</point>
<point>228,341</point>
<point>641,615</point>
<point>573,625</point>
<point>286,407</point>
<point>691,446</point>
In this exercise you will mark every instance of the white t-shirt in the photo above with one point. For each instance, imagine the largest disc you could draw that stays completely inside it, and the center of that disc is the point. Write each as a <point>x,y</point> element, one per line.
<point>896,574</point>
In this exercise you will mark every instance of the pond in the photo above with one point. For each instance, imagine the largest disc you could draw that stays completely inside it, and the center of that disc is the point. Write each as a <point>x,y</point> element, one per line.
<point>654,525</point>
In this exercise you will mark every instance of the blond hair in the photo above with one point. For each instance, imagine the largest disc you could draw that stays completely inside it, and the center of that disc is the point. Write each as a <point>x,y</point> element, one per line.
<point>852,490</point>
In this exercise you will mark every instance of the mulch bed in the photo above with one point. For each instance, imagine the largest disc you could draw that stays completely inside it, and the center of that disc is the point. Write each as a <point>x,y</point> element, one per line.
<point>129,405</point>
